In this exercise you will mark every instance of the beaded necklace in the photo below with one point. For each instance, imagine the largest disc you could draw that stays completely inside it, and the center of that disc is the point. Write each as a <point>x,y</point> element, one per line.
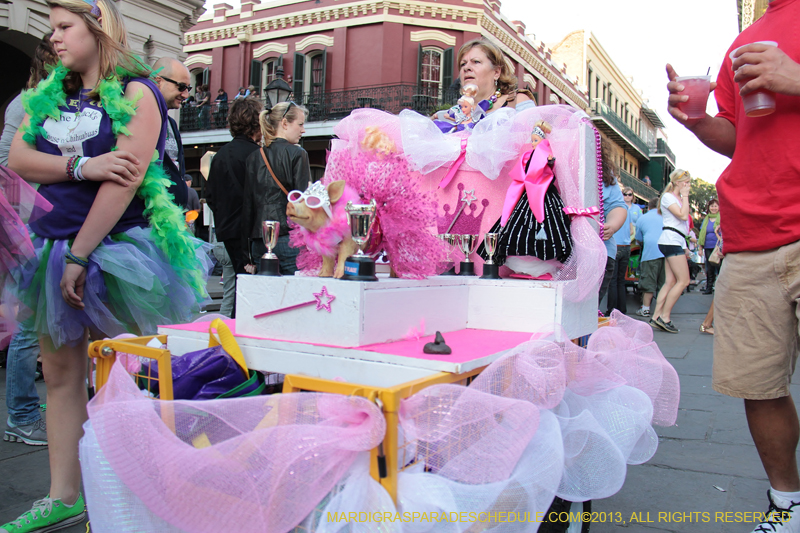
<point>599,163</point>
<point>166,220</point>
<point>492,99</point>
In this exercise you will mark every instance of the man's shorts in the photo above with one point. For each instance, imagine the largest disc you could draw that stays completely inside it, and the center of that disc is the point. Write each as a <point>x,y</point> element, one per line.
<point>651,275</point>
<point>756,323</point>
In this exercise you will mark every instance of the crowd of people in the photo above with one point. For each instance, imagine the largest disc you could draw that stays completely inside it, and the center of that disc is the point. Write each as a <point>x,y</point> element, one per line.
<point>113,256</point>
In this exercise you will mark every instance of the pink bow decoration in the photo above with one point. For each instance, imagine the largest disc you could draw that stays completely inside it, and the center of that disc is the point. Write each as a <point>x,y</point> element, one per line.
<point>535,182</point>
<point>454,168</point>
<point>582,211</point>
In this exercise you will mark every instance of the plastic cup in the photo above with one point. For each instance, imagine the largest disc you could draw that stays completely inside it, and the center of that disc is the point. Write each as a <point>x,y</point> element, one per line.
<point>697,89</point>
<point>758,103</point>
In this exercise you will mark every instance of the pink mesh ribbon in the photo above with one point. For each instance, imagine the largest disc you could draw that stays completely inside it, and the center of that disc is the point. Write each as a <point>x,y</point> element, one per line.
<point>606,398</point>
<point>535,182</point>
<point>582,211</point>
<point>250,464</point>
<point>456,164</point>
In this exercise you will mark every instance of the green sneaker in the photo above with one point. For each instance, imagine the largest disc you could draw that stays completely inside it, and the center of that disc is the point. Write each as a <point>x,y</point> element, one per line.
<point>48,515</point>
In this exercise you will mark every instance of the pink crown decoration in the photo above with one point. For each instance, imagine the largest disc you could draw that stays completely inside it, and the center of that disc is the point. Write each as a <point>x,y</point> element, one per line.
<point>464,218</point>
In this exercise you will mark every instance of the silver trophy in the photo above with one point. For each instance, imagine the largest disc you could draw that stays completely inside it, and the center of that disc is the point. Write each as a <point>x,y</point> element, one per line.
<point>270,265</point>
<point>468,244</point>
<point>490,268</point>
<point>360,217</point>
<point>451,239</point>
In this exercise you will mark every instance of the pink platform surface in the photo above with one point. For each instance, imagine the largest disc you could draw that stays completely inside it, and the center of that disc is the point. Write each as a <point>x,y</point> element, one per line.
<point>467,344</point>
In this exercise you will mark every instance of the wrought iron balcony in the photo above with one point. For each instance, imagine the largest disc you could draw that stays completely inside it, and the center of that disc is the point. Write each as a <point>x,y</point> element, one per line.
<point>663,148</point>
<point>609,123</point>
<point>640,188</point>
<point>334,105</point>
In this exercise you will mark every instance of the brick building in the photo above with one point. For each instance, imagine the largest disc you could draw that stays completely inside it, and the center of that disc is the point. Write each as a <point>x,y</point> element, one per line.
<point>347,54</point>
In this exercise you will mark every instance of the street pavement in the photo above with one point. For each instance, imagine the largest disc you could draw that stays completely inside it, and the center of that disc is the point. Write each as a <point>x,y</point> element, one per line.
<point>706,463</point>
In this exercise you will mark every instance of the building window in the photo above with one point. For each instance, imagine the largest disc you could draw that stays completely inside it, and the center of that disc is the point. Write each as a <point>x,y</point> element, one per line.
<point>317,74</point>
<point>431,71</point>
<point>270,71</point>
<point>309,75</point>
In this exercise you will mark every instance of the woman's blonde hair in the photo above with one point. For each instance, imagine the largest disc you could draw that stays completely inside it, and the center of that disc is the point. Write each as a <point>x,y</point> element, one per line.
<point>270,119</point>
<point>676,176</point>
<point>507,83</point>
<point>112,41</point>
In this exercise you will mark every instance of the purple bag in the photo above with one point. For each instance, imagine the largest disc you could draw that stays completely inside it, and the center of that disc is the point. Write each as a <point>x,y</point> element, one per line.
<point>208,374</point>
<point>205,374</point>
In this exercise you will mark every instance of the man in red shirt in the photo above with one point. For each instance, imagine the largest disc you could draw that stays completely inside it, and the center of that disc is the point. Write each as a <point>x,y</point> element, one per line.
<point>756,322</point>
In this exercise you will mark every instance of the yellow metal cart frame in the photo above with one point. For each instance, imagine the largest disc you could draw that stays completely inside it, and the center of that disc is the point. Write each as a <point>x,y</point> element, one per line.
<point>104,353</point>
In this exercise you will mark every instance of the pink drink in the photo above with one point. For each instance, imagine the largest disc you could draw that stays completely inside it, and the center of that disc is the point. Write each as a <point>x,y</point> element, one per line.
<point>697,89</point>
<point>757,103</point>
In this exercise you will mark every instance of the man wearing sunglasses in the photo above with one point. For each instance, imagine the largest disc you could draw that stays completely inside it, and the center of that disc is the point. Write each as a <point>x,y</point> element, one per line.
<point>173,81</point>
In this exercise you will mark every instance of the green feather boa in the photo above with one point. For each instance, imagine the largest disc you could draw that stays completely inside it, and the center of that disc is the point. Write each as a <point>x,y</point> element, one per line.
<point>167,223</point>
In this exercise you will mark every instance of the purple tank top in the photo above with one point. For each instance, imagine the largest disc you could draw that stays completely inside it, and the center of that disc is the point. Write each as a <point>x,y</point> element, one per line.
<point>85,129</point>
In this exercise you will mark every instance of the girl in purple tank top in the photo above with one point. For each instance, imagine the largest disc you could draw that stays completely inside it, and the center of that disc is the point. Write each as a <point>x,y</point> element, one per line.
<point>113,256</point>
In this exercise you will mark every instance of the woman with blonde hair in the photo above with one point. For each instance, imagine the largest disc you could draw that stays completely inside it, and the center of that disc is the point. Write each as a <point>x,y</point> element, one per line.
<point>674,208</point>
<point>113,256</point>
<point>273,171</point>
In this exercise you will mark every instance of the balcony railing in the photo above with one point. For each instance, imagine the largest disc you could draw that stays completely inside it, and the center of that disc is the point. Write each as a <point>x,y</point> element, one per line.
<point>663,148</point>
<point>333,105</point>
<point>640,188</point>
<point>602,110</point>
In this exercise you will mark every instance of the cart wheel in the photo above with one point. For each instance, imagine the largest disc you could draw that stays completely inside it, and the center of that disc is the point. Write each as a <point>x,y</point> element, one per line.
<point>563,506</point>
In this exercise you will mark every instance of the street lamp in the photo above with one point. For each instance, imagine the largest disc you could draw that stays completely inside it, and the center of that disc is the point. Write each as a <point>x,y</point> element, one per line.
<point>278,90</point>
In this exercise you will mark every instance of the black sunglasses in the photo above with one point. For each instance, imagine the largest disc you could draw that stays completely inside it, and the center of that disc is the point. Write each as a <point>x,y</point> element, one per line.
<point>181,86</point>
<point>288,107</point>
<point>628,194</point>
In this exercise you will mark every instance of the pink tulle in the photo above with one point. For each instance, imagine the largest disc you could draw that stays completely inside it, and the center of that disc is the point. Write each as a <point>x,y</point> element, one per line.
<point>19,204</point>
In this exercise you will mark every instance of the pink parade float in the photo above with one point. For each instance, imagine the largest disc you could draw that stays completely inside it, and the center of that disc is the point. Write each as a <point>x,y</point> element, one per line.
<point>385,428</point>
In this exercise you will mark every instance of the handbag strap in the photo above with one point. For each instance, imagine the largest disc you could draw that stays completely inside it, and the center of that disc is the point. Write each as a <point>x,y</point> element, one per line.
<point>228,343</point>
<point>264,157</point>
<point>679,232</point>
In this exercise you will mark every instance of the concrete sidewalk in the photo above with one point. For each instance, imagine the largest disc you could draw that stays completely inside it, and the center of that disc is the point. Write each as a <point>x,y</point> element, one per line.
<point>707,462</point>
<point>709,447</point>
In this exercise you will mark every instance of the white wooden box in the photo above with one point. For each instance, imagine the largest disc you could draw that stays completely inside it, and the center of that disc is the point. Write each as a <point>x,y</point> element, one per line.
<point>362,312</point>
<point>392,309</point>
<point>528,305</point>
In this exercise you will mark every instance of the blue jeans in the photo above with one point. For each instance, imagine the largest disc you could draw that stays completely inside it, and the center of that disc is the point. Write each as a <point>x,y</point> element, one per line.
<point>617,292</point>
<point>228,280</point>
<point>22,399</point>
<point>286,254</point>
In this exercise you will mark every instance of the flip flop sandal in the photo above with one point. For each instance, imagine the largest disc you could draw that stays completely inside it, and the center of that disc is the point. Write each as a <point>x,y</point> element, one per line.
<point>707,330</point>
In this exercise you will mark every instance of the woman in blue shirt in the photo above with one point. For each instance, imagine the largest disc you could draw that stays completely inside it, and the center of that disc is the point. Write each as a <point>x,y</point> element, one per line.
<point>614,214</point>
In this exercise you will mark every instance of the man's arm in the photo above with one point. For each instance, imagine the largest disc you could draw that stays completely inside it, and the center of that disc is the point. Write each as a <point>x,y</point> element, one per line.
<point>717,133</point>
<point>767,67</point>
